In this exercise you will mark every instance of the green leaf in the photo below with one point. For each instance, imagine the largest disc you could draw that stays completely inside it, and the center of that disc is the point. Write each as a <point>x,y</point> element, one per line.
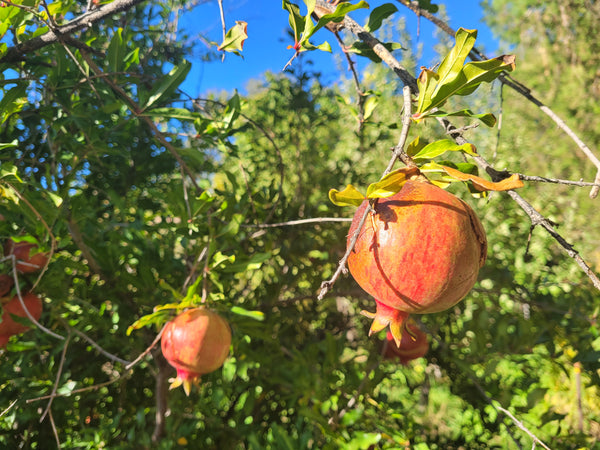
<point>295,19</point>
<point>440,147</point>
<point>235,37</point>
<point>350,196</point>
<point>415,146</point>
<point>428,6</point>
<point>369,106</point>
<point>256,315</point>
<point>12,144</point>
<point>168,84</point>
<point>116,52</point>
<point>391,183</point>
<point>452,78</point>
<point>487,118</point>
<point>378,15</point>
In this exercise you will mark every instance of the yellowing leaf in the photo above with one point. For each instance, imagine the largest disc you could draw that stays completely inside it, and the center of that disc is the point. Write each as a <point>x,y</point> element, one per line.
<point>391,183</point>
<point>512,182</point>
<point>350,196</point>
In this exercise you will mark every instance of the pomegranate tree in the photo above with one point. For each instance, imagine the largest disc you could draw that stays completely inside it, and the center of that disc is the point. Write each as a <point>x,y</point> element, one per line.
<point>196,342</point>
<point>419,252</point>
<point>8,326</point>
<point>413,345</point>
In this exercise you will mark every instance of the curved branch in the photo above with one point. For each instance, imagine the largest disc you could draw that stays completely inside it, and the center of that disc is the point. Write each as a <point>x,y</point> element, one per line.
<point>18,52</point>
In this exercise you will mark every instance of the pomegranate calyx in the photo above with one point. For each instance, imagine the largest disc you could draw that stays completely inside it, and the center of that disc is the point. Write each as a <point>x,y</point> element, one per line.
<point>186,380</point>
<point>385,316</point>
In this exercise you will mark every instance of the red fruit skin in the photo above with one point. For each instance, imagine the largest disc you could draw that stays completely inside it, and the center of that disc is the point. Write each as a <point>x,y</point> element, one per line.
<point>4,340</point>
<point>6,283</point>
<point>413,345</point>
<point>26,261</point>
<point>420,252</point>
<point>8,326</point>
<point>196,342</point>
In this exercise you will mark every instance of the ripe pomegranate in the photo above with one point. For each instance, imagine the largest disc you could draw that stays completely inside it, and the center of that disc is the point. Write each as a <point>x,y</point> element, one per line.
<point>6,283</point>
<point>196,342</point>
<point>413,345</point>
<point>8,326</point>
<point>29,259</point>
<point>418,253</point>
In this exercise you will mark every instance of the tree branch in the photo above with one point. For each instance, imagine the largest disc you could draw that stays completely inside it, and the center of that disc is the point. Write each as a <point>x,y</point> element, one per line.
<point>508,80</point>
<point>18,51</point>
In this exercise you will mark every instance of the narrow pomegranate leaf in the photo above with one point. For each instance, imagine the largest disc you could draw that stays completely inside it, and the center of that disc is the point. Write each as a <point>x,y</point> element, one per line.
<point>350,196</point>
<point>391,183</point>
<point>487,119</point>
<point>454,77</point>
<point>256,315</point>
<point>440,147</point>
<point>512,182</point>
<point>235,38</point>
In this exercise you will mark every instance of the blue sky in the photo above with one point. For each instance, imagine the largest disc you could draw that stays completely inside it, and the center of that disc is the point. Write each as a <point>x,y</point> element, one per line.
<point>265,48</point>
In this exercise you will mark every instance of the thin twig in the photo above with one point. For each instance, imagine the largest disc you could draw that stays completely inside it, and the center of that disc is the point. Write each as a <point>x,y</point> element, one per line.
<point>58,375</point>
<point>100,349</point>
<point>519,424</point>
<point>299,222</point>
<point>54,430</point>
<point>145,352</point>
<point>27,312</point>
<point>14,402</point>
<point>76,391</point>
<point>224,27</point>
<point>557,181</point>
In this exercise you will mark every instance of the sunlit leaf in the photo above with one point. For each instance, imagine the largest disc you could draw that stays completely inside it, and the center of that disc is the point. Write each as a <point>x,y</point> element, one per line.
<point>350,196</point>
<point>235,38</point>
<point>168,84</point>
<point>256,315</point>
<point>391,183</point>
<point>440,147</point>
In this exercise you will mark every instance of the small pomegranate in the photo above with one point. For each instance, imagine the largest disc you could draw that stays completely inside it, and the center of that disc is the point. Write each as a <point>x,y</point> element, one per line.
<point>29,259</point>
<point>8,326</point>
<point>6,283</point>
<point>196,342</point>
<point>413,345</point>
<point>419,252</point>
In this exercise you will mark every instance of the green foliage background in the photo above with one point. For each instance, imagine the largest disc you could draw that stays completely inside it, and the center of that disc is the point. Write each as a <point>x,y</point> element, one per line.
<point>134,228</point>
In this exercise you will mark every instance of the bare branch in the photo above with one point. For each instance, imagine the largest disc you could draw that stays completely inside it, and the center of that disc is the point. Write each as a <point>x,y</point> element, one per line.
<point>518,423</point>
<point>17,52</point>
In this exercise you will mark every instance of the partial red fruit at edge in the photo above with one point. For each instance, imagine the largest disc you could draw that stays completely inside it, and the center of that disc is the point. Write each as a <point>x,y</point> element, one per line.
<point>196,342</point>
<point>28,259</point>
<point>413,345</point>
<point>420,252</point>
<point>6,283</point>
<point>8,326</point>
